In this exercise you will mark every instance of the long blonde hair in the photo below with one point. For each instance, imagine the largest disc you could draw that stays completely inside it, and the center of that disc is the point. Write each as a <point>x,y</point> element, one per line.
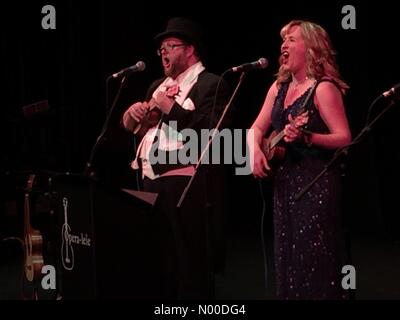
<point>320,55</point>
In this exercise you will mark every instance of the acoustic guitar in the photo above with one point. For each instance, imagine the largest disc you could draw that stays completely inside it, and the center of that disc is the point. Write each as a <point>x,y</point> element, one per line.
<point>33,242</point>
<point>32,238</point>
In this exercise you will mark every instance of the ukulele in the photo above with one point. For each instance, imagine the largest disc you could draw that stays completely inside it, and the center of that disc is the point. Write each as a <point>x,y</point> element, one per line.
<point>151,119</point>
<point>153,114</point>
<point>33,240</point>
<point>271,147</point>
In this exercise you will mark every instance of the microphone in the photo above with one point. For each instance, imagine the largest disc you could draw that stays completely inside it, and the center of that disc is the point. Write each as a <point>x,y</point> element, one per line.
<point>139,66</point>
<point>392,91</point>
<point>261,63</point>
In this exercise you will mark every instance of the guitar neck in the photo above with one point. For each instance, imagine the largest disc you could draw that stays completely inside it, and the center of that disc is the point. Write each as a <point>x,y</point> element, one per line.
<point>27,216</point>
<point>275,140</point>
<point>27,205</point>
<point>152,104</point>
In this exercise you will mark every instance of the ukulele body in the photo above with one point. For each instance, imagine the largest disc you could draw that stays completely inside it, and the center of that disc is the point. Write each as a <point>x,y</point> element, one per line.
<point>274,154</point>
<point>150,120</point>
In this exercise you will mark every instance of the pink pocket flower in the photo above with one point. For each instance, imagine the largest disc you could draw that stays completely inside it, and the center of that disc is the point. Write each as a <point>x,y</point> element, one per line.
<point>173,90</point>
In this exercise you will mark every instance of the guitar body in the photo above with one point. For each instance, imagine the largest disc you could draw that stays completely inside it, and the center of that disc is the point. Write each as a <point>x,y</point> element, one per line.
<point>150,120</point>
<point>153,115</point>
<point>274,153</point>
<point>273,149</point>
<point>33,256</point>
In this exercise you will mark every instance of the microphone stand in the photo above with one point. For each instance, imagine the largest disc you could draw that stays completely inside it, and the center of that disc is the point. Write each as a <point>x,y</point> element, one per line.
<point>345,149</point>
<point>210,268</point>
<point>215,130</point>
<point>88,171</point>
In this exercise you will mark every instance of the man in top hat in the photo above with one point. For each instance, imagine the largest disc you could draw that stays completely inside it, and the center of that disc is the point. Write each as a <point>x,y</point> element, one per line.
<point>190,236</point>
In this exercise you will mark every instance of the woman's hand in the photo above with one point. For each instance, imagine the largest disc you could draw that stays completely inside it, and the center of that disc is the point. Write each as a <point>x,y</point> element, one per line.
<point>260,167</point>
<point>291,130</point>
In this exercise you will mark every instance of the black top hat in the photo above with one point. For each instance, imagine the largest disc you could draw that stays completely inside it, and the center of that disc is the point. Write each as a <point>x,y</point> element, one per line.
<point>185,29</point>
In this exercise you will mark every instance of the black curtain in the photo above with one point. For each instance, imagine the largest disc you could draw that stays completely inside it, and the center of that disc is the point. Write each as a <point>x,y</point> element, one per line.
<point>68,67</point>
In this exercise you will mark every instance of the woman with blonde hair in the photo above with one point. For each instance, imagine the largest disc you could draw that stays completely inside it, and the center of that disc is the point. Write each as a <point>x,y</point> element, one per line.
<point>305,106</point>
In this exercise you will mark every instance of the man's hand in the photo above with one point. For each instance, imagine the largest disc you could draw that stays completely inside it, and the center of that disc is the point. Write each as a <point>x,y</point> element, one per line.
<point>163,101</point>
<point>134,114</point>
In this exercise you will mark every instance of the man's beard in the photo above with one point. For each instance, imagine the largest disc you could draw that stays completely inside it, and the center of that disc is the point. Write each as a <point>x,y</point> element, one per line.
<point>175,70</point>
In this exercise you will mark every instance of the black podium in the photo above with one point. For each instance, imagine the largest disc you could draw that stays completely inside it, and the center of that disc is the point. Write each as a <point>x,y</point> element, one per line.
<point>108,246</point>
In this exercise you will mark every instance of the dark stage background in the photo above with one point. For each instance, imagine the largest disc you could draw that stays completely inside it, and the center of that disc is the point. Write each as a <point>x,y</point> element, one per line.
<point>68,67</point>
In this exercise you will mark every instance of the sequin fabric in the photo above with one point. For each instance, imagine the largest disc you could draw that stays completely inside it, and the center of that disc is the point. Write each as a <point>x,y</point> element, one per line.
<point>307,236</point>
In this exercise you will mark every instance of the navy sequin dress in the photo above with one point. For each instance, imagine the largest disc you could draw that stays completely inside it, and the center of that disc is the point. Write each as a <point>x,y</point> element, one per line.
<point>307,237</point>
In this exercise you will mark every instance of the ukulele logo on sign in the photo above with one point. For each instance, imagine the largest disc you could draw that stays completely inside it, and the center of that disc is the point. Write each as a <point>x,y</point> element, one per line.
<point>67,250</point>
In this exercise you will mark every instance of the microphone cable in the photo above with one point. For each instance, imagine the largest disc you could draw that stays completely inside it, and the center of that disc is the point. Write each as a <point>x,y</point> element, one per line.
<point>263,246</point>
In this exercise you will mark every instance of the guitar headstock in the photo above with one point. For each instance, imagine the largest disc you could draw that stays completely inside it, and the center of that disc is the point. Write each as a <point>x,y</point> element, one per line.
<point>29,183</point>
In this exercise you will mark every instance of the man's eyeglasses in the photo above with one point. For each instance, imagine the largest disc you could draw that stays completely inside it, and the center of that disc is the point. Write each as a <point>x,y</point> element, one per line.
<point>168,47</point>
